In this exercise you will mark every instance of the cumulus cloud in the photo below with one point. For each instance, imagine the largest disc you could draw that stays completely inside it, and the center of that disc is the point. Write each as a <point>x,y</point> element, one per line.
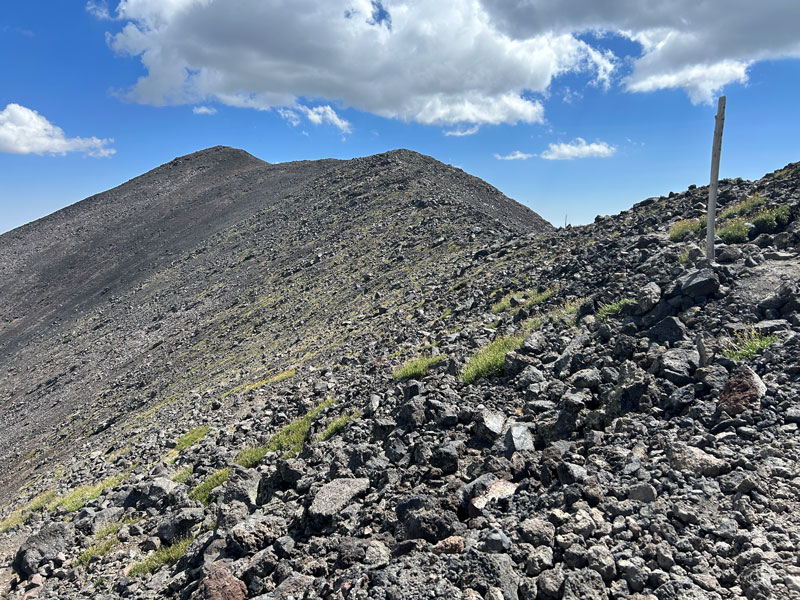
<point>25,131</point>
<point>437,63</point>
<point>697,46</point>
<point>515,155</point>
<point>204,110</point>
<point>451,63</point>
<point>578,149</point>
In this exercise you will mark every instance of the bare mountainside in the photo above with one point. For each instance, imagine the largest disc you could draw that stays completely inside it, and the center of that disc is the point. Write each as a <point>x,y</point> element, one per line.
<point>381,378</point>
<point>103,293</point>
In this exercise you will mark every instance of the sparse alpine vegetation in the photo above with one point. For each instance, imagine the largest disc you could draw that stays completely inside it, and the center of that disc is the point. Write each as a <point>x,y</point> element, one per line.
<point>734,231</point>
<point>747,343</point>
<point>343,270</point>
<point>202,492</point>
<point>612,309</point>
<point>685,228</point>
<point>195,435</point>
<point>417,368</point>
<point>488,361</point>
<point>166,555</point>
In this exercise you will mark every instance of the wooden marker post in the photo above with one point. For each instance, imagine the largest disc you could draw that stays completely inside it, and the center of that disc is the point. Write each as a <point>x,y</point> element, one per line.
<point>711,217</point>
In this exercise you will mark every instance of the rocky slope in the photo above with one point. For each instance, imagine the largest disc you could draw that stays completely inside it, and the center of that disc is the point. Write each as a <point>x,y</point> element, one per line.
<point>382,379</point>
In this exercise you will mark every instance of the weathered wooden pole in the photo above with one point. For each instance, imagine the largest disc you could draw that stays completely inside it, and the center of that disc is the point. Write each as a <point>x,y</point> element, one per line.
<point>712,188</point>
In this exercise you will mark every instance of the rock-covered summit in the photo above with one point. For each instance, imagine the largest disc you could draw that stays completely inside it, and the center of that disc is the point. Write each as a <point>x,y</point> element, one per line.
<point>389,381</point>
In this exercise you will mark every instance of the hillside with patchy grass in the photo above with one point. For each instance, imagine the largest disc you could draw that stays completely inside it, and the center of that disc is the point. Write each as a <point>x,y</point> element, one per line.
<point>381,378</point>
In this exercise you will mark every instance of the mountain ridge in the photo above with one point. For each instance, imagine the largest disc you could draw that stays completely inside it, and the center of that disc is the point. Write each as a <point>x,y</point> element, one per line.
<point>393,382</point>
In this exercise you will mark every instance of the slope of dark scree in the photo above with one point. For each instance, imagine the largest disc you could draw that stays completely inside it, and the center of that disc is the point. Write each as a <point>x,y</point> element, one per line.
<point>619,450</point>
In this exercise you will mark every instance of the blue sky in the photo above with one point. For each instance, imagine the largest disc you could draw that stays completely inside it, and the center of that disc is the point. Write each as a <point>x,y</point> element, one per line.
<point>602,104</point>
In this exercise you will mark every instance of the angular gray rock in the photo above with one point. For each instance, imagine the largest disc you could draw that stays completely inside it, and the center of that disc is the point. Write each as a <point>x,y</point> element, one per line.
<point>336,495</point>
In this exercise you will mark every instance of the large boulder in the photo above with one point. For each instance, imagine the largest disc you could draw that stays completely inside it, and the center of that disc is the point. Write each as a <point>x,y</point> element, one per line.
<point>157,493</point>
<point>699,283</point>
<point>44,546</point>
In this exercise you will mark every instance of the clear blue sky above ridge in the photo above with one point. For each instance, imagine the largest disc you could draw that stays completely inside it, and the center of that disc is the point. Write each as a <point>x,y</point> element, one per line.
<point>574,112</point>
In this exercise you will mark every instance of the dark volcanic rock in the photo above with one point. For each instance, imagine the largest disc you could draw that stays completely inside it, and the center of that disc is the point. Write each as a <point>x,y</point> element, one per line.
<point>261,371</point>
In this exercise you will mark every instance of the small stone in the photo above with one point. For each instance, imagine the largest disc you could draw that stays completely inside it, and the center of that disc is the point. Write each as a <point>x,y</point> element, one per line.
<point>648,297</point>
<point>699,282</point>
<point>550,584</point>
<point>496,491</point>
<point>335,496</point>
<point>537,532</point>
<point>694,460</point>
<point>642,492</point>
<point>587,379</point>
<point>489,425</point>
<point>585,584</point>
<point>670,329</point>
<point>539,560</point>
<point>600,559</point>
<point>496,541</point>
<point>450,545</point>
<point>518,438</point>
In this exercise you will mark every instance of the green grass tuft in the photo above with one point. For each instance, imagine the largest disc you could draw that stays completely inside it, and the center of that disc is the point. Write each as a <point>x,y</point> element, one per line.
<point>488,361</point>
<point>113,527</point>
<point>742,208</point>
<point>414,369</point>
<point>77,498</point>
<point>195,435</point>
<point>734,232</point>
<point>289,440</point>
<point>529,298</point>
<point>184,474</point>
<point>41,501</point>
<point>274,379</point>
<point>685,228</point>
<point>97,550</point>
<point>746,344</point>
<point>166,555</point>
<point>503,304</point>
<point>539,297</point>
<point>17,517</point>
<point>250,457</point>
<point>337,425</point>
<point>613,309</point>
<point>202,491</point>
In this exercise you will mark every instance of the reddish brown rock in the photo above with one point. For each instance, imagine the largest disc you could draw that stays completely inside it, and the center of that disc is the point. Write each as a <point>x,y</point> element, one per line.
<point>220,584</point>
<point>451,545</point>
<point>742,392</point>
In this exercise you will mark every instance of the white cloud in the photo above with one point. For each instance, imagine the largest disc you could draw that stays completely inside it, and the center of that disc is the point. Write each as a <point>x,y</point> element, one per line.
<point>436,63</point>
<point>578,149</point>
<point>325,114</point>
<point>204,110</point>
<point>515,155</point>
<point>290,116</point>
<point>25,131</point>
<point>697,46</point>
<point>99,9</point>
<point>453,63</point>
<point>461,132</point>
